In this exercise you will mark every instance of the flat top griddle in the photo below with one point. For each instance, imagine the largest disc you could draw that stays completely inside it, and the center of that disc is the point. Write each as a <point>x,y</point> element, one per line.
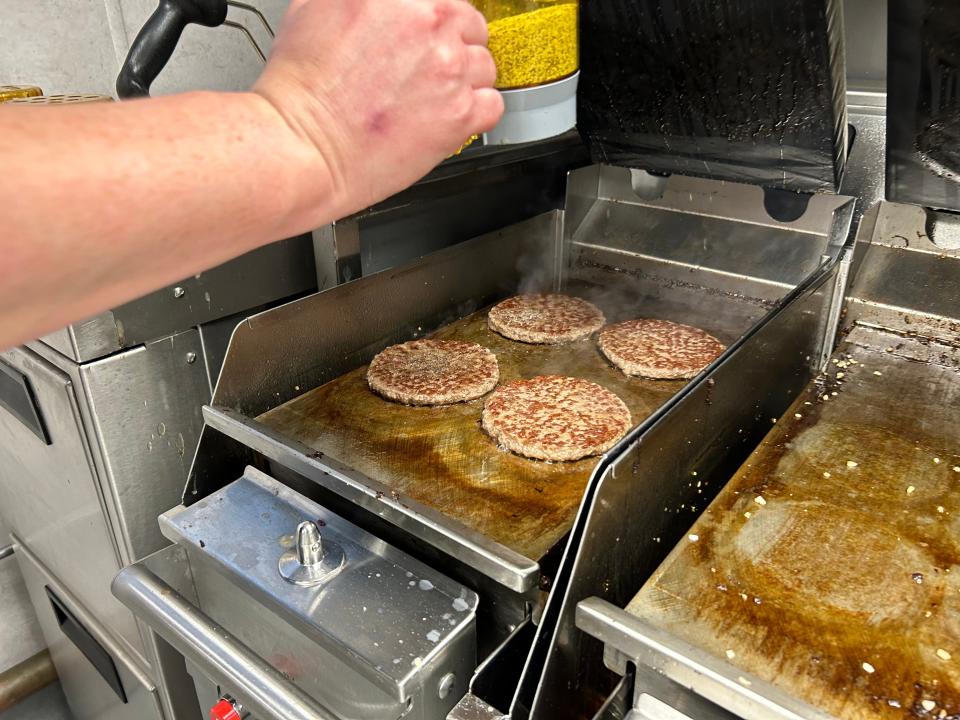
<point>442,457</point>
<point>830,564</point>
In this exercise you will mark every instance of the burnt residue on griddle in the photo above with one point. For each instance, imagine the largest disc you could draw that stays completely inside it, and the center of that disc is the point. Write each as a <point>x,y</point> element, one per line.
<point>830,564</point>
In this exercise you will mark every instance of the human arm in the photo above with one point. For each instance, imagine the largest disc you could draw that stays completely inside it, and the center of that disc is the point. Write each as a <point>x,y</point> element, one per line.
<point>104,202</point>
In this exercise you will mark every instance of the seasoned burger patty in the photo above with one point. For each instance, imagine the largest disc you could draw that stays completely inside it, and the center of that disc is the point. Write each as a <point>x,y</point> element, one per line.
<point>658,348</point>
<point>433,372</point>
<point>545,319</point>
<point>553,417</point>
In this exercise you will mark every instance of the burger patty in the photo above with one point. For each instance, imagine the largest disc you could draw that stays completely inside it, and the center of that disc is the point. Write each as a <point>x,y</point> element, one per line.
<point>545,319</point>
<point>433,372</point>
<point>659,348</point>
<point>553,417</point>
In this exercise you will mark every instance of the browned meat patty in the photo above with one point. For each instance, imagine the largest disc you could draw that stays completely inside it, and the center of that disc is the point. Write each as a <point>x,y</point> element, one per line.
<point>545,319</point>
<point>433,372</point>
<point>553,417</point>
<point>658,348</point>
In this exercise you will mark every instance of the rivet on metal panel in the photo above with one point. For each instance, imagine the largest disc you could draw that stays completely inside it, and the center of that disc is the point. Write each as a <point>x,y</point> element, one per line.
<point>447,683</point>
<point>191,357</point>
<point>179,292</point>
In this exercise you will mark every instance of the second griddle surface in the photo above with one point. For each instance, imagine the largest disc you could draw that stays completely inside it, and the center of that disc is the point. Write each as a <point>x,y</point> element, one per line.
<point>441,457</point>
<point>830,564</point>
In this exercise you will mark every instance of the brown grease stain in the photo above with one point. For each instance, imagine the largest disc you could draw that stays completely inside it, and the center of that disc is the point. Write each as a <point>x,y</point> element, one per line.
<point>834,572</point>
<point>441,457</point>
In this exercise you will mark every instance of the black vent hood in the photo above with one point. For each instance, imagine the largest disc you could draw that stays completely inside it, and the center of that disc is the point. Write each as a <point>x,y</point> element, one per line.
<point>743,90</point>
<point>923,103</point>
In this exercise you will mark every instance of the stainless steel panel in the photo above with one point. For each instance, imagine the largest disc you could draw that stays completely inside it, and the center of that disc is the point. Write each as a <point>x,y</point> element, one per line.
<point>384,621</point>
<point>733,202</point>
<point>268,627</point>
<point>629,640</point>
<point>471,707</point>
<point>863,176</point>
<point>274,272</point>
<point>88,695</point>
<point>905,282</point>
<point>271,360</point>
<point>88,339</point>
<point>476,192</point>
<point>50,495</point>
<point>143,408</point>
<point>865,43</point>
<point>260,686</point>
<point>645,498</point>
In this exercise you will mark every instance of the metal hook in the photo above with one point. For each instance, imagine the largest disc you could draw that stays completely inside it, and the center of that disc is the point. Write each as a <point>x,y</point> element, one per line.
<point>255,11</point>
<point>242,28</point>
<point>246,33</point>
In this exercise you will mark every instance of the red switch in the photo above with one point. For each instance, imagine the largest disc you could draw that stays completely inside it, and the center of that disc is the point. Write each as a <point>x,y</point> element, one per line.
<point>224,710</point>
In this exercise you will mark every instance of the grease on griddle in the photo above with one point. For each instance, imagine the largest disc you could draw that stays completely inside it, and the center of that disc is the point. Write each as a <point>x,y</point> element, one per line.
<point>832,480</point>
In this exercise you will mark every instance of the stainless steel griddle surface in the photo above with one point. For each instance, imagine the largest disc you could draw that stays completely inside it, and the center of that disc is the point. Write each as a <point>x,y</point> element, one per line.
<point>442,457</point>
<point>830,564</point>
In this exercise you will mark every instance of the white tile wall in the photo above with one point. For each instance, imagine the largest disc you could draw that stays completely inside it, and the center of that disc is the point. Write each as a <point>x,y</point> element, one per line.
<point>78,45</point>
<point>61,46</point>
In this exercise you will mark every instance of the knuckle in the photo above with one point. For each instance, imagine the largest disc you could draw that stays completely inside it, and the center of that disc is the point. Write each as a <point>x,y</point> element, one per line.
<point>450,60</point>
<point>442,11</point>
<point>421,16</point>
<point>462,107</point>
<point>489,66</point>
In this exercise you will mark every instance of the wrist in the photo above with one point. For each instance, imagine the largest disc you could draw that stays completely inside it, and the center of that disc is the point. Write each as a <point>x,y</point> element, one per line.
<point>313,177</point>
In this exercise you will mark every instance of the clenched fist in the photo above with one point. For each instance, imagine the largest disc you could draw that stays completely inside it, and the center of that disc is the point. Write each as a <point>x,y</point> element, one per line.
<point>383,90</point>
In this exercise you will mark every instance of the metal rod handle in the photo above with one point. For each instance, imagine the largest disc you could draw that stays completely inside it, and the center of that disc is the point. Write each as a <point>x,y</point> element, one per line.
<point>263,690</point>
<point>242,28</point>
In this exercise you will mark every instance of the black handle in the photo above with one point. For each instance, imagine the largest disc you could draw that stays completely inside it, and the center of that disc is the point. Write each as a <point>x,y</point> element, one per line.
<point>158,38</point>
<point>87,644</point>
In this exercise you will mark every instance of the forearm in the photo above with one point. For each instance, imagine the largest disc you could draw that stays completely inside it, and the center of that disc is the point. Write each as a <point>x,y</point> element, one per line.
<point>103,202</point>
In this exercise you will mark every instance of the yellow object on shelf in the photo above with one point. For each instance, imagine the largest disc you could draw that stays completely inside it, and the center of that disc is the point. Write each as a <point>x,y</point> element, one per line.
<point>14,92</point>
<point>534,44</point>
<point>468,143</point>
<point>60,99</point>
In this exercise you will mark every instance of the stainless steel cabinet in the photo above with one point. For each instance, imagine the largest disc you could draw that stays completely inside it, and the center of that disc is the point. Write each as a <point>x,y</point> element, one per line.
<point>90,454</point>
<point>99,680</point>
<point>49,495</point>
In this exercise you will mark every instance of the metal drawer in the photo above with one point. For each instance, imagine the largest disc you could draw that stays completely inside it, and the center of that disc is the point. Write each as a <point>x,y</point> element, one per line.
<point>99,680</point>
<point>49,494</point>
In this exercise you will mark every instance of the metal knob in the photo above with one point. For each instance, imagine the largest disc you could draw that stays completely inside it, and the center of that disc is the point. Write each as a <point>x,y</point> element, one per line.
<point>313,560</point>
<point>309,544</point>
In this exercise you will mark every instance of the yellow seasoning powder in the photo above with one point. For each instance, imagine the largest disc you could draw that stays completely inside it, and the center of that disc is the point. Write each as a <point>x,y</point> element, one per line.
<point>535,47</point>
<point>466,144</point>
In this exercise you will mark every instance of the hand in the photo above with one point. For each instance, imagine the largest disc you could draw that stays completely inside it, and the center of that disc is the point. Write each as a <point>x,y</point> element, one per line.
<point>383,90</point>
